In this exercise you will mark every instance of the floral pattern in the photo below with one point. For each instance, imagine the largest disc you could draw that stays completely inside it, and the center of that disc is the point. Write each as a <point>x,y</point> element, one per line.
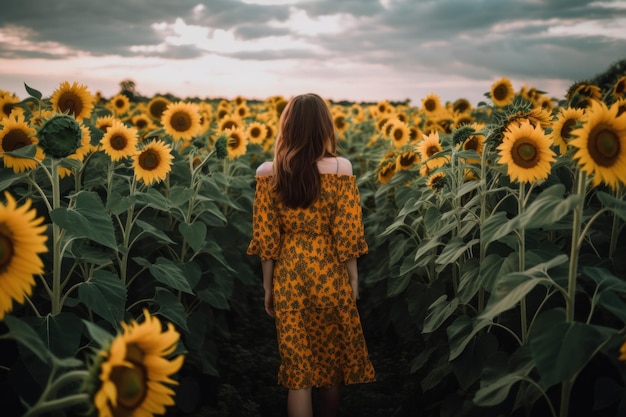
<point>319,332</point>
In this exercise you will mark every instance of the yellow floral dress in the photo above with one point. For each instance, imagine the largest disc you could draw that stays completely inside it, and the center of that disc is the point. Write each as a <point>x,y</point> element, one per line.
<point>318,327</point>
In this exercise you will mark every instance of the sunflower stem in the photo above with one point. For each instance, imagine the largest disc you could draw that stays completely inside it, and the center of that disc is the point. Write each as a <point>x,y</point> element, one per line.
<point>126,236</point>
<point>59,404</point>
<point>614,229</point>
<point>56,241</point>
<point>522,257</point>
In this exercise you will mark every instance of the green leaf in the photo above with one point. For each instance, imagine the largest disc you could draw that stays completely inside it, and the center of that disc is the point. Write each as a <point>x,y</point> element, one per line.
<point>495,227</point>
<point>214,249</point>
<point>8,177</point>
<point>149,229</point>
<point>462,331</point>
<point>153,198</point>
<point>171,308</point>
<point>469,284</point>
<point>32,92</point>
<point>97,333</point>
<point>105,294</point>
<point>20,331</point>
<point>88,219</point>
<point>439,312</point>
<point>118,204</point>
<point>548,208</point>
<point>194,234</point>
<point>214,297</point>
<point>617,206</point>
<point>61,334</point>
<point>561,349</point>
<point>168,273</point>
<point>500,374</point>
<point>397,284</point>
<point>511,288</point>
<point>27,151</point>
<point>469,365</point>
<point>180,195</point>
<point>453,250</point>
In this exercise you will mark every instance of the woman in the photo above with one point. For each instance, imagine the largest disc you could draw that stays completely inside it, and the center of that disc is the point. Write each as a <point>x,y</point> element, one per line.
<point>308,232</point>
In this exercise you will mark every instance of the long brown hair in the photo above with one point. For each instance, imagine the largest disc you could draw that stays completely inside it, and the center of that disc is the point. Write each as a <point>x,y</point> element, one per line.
<point>306,135</point>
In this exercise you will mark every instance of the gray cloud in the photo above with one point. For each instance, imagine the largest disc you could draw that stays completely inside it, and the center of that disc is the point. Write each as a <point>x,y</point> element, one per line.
<point>479,39</point>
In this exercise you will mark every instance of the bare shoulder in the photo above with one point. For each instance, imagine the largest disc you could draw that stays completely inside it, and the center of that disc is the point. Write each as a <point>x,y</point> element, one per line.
<point>265,169</point>
<point>344,166</point>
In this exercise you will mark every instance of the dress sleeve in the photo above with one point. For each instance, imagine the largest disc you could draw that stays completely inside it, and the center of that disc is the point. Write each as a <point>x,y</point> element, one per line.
<point>265,226</point>
<point>348,232</point>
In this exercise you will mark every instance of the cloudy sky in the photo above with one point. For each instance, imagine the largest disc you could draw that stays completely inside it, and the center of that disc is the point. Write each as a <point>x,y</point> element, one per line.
<point>358,50</point>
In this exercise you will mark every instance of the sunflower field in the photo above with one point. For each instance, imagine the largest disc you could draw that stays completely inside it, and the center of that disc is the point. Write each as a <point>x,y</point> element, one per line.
<point>495,283</point>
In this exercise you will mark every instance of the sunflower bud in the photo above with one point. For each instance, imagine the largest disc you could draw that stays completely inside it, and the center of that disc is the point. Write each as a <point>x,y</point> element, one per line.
<point>220,146</point>
<point>461,134</point>
<point>60,136</point>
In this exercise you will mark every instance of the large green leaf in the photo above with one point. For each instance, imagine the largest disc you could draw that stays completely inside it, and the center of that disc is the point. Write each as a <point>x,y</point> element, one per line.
<point>453,250</point>
<point>149,229</point>
<point>617,206</point>
<point>561,349</point>
<point>97,333</point>
<point>511,288</point>
<point>462,331</point>
<point>215,297</point>
<point>24,334</point>
<point>608,288</point>
<point>548,208</point>
<point>439,312</point>
<point>469,284</point>
<point>153,198</point>
<point>87,219</point>
<point>171,308</point>
<point>60,333</point>
<point>469,365</point>
<point>167,272</point>
<point>194,234</point>
<point>118,204</point>
<point>105,294</point>
<point>500,374</point>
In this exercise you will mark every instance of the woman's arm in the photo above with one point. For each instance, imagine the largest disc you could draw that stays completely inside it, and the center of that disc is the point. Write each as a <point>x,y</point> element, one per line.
<point>267,267</point>
<point>353,274</point>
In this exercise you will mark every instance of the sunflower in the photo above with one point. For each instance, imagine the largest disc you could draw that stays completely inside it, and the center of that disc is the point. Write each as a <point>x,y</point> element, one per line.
<point>431,104</point>
<point>228,122</point>
<point>462,119</point>
<point>622,351</point>
<point>545,103</point>
<point>22,238</point>
<point>81,152</point>
<point>143,122</point>
<point>134,371</point>
<point>237,142</point>
<point>120,104</point>
<point>461,105</point>
<point>619,88</point>
<point>475,142</point>
<point>436,181</point>
<point>119,141</point>
<point>414,133</point>
<point>153,162</point>
<point>256,132</point>
<point>502,92</point>
<point>181,120</point>
<point>340,122</point>
<point>356,113</point>
<point>399,134</point>
<point>406,159</point>
<point>525,149</point>
<point>582,94</point>
<point>428,147</point>
<point>242,111</point>
<point>105,122</point>
<point>72,99</point>
<point>157,106</point>
<point>8,102</point>
<point>621,106</point>
<point>16,134</point>
<point>386,171</point>
<point>563,124</point>
<point>601,144</point>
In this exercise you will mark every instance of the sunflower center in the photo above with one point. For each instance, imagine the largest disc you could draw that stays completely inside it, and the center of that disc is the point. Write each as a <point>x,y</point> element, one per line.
<point>500,92</point>
<point>620,88</point>
<point>15,139</point>
<point>407,159</point>
<point>566,130</point>
<point>118,142</point>
<point>398,134</point>
<point>255,132</point>
<point>604,146</point>
<point>339,122</point>
<point>229,124</point>
<point>141,123</point>
<point>181,121</point>
<point>70,103</point>
<point>471,144</point>
<point>233,142</point>
<point>6,248</point>
<point>149,160</point>
<point>525,153</point>
<point>119,103</point>
<point>157,108</point>
<point>430,105</point>
<point>431,151</point>
<point>131,385</point>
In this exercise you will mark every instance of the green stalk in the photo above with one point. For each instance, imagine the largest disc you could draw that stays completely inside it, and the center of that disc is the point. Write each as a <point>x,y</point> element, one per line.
<point>521,204</point>
<point>614,229</point>
<point>126,235</point>
<point>566,386</point>
<point>56,241</point>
